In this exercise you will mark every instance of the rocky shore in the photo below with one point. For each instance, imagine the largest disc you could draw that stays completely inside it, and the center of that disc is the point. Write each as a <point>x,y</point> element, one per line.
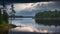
<point>12,26</point>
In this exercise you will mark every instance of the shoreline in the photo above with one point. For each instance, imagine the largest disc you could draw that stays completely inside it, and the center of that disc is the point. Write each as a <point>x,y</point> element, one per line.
<point>4,28</point>
<point>48,18</point>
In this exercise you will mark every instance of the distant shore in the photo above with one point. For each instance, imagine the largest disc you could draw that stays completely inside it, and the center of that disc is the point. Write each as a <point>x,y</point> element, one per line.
<point>48,18</point>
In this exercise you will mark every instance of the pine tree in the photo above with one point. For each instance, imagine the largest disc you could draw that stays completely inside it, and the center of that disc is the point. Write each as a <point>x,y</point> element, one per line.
<point>5,14</point>
<point>12,11</point>
<point>0,17</point>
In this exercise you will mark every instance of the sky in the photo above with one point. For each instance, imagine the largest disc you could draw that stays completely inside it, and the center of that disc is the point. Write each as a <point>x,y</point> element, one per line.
<point>30,9</point>
<point>24,1</point>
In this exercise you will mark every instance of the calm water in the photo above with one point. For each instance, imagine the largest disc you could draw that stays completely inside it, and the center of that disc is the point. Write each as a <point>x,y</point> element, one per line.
<point>29,25</point>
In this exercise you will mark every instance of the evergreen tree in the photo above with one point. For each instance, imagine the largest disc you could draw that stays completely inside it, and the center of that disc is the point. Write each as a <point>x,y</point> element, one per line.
<point>5,16</point>
<point>3,13</point>
<point>12,12</point>
<point>0,17</point>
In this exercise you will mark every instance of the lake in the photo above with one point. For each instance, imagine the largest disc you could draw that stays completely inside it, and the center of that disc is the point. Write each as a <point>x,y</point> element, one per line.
<point>30,25</point>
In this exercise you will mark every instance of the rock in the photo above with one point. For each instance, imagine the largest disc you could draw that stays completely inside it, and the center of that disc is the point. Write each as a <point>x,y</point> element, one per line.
<point>12,26</point>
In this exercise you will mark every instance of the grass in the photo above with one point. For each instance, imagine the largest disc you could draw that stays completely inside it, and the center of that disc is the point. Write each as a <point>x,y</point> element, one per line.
<point>4,28</point>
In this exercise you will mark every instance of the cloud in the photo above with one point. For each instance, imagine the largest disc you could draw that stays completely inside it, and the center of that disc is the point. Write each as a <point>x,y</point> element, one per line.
<point>30,9</point>
<point>25,1</point>
<point>41,6</point>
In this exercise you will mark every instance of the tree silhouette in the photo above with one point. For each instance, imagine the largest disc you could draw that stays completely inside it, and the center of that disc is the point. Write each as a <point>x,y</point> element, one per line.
<point>0,17</point>
<point>3,13</point>
<point>5,16</point>
<point>12,12</point>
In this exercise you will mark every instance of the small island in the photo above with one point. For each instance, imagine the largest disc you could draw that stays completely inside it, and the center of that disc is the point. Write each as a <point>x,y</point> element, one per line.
<point>48,17</point>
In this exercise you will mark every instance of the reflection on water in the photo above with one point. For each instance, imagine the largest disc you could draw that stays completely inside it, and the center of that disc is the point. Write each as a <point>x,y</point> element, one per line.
<point>33,29</point>
<point>29,25</point>
<point>48,22</point>
<point>26,29</point>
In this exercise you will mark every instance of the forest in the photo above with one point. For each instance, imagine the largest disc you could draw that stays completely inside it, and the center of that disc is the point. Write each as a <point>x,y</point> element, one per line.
<point>48,17</point>
<point>4,19</point>
<point>48,14</point>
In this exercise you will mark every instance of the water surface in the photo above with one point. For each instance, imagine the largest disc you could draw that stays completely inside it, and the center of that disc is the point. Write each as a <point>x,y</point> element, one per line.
<point>30,25</point>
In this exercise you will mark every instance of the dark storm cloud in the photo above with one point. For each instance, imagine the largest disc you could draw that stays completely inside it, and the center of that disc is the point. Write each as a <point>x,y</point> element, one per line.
<point>50,6</point>
<point>25,1</point>
<point>55,5</point>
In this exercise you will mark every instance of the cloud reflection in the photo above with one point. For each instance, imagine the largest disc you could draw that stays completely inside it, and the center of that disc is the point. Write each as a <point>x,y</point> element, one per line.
<point>29,25</point>
<point>31,29</point>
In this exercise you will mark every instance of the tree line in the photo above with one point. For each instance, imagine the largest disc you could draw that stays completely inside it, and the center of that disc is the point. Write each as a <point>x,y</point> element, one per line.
<point>48,14</point>
<point>48,18</point>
